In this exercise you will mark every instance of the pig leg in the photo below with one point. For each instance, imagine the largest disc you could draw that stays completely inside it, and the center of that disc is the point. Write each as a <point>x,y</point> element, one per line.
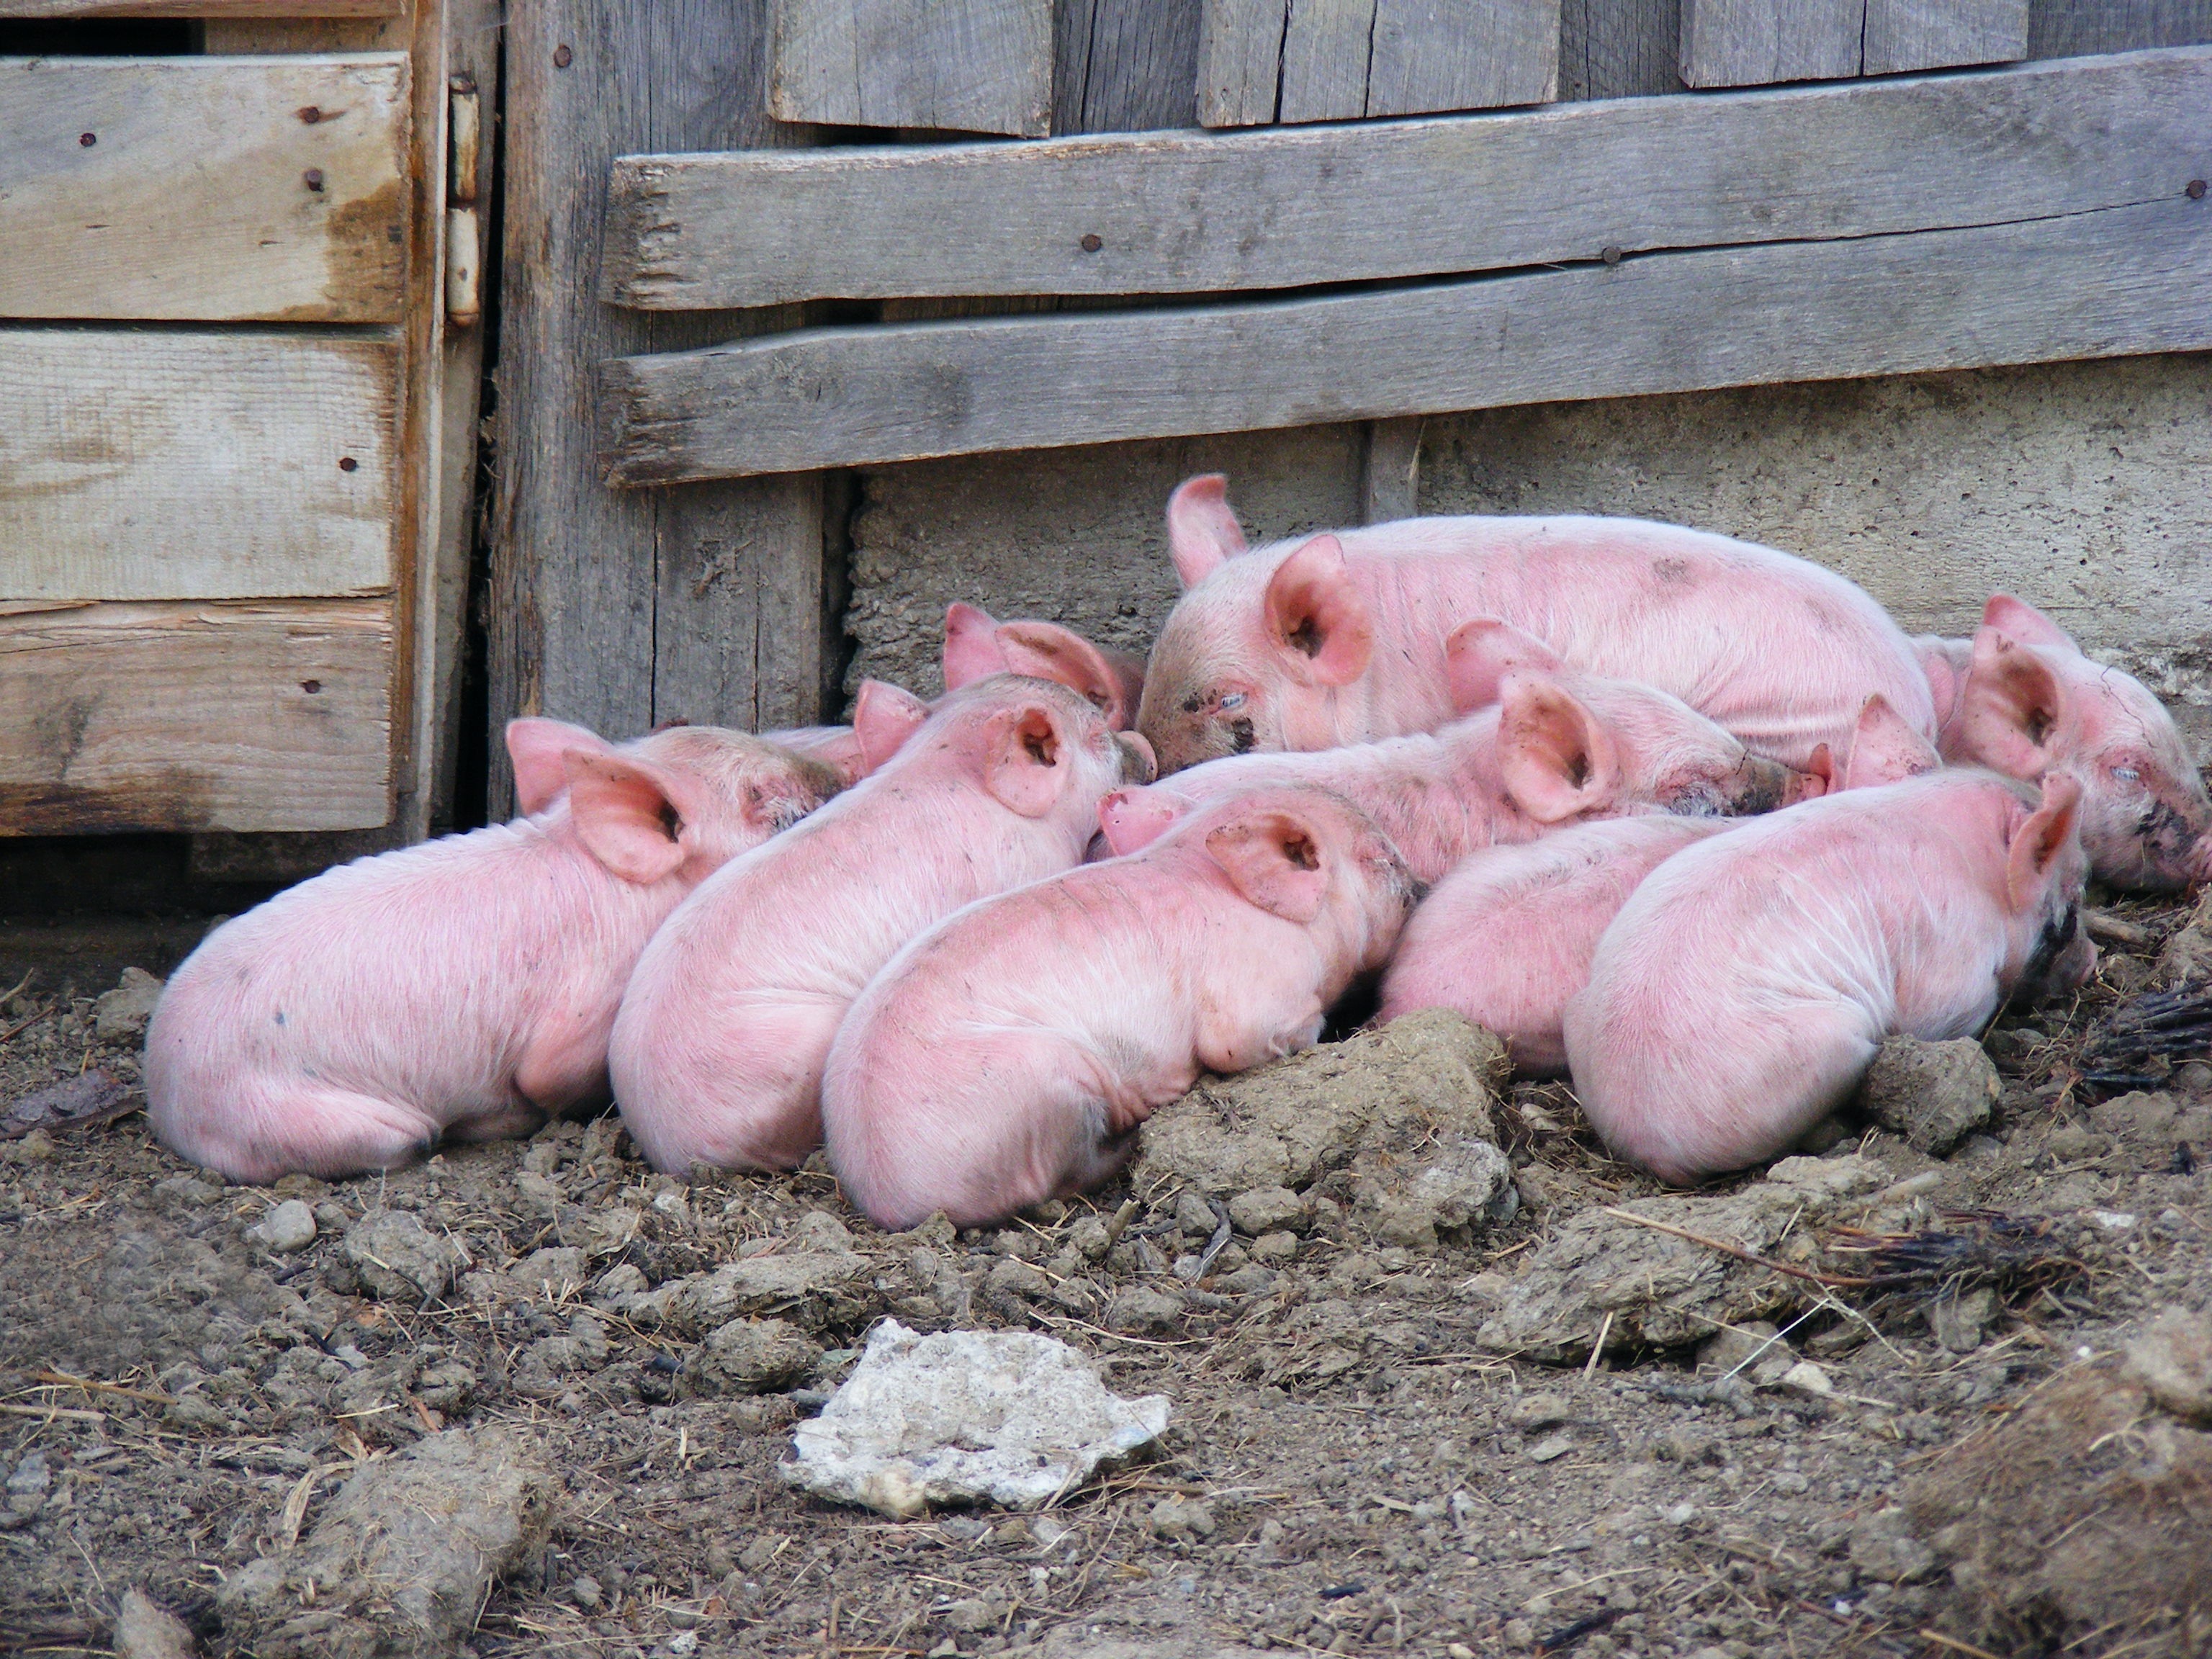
<point>273,1130</point>
<point>751,1099</point>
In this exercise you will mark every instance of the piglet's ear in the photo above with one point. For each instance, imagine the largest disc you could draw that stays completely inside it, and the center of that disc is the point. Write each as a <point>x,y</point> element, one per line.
<point>1556,757</point>
<point>1203,534</point>
<point>1319,617</point>
<point>1885,750</point>
<point>631,815</point>
<point>1110,679</point>
<point>1273,859</point>
<point>1480,653</point>
<point>1027,762</point>
<point>2038,843</point>
<point>972,651</point>
<point>1132,819</point>
<point>536,747</point>
<point>2013,706</point>
<point>1821,764</point>
<point>884,718</point>
<point>2025,623</point>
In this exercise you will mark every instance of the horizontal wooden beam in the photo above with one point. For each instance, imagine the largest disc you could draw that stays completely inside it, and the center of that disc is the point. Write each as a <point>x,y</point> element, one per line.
<point>2109,284</point>
<point>157,466</point>
<point>58,9</point>
<point>1188,213</point>
<point>204,188</point>
<point>184,717</point>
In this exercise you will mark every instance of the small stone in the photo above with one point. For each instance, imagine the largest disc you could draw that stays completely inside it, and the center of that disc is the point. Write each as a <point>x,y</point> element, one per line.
<point>1269,1210</point>
<point>1089,1235</point>
<point>121,1015</point>
<point>1883,1547</point>
<point>1539,1411</point>
<point>1934,1094</point>
<point>1546,1450</point>
<point>1182,1518</point>
<point>397,1258</point>
<point>1519,1634</point>
<point>1959,1321</point>
<point>2173,1360</point>
<point>586,1593</point>
<point>287,1227</point>
<point>1146,1312</point>
<point>553,1273</point>
<point>146,1630</point>
<point>1275,1248</point>
<point>1250,1280</point>
<point>34,1148</point>
<point>1738,1347</point>
<point>330,1218</point>
<point>752,1356</point>
<point>1806,1377</point>
<point>976,1612</point>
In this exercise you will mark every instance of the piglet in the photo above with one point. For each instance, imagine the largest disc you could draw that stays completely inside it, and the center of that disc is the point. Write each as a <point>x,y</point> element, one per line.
<point>2020,698</point>
<point>717,1053</point>
<point>976,646</point>
<point>1009,1054</point>
<point>1546,747</point>
<point>463,987</point>
<point>1743,989</point>
<point>1339,638</point>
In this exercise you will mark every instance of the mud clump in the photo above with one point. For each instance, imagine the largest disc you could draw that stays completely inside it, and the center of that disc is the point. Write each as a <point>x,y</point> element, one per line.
<point>1934,1094</point>
<point>401,1563</point>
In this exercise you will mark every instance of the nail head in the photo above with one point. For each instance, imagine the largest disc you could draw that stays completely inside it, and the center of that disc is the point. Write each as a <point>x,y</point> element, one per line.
<point>314,177</point>
<point>346,464</point>
<point>2196,191</point>
<point>1610,254</point>
<point>562,57</point>
<point>87,139</point>
<point>311,113</point>
<point>1092,242</point>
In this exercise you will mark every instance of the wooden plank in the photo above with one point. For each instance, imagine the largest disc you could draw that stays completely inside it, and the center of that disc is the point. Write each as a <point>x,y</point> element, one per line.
<point>598,599</point>
<point>1744,43</point>
<point>1179,213</point>
<point>1444,55</point>
<point>1921,34</point>
<point>137,465</point>
<point>61,9</point>
<point>194,716</point>
<point>1390,472</point>
<point>2071,28</point>
<point>196,189</point>
<point>1240,62</point>
<point>2121,281</point>
<point>1325,46</point>
<point>1620,48</point>
<point>955,65</point>
<point>1124,65</point>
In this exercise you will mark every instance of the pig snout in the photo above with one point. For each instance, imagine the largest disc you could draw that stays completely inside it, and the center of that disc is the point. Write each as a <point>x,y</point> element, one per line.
<point>1137,765</point>
<point>2063,958</point>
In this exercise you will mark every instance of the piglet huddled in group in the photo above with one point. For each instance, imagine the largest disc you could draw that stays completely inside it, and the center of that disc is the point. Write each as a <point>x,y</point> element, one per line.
<point>1009,1054</point>
<point>1508,936</point>
<point>2020,698</point>
<point>1545,747</point>
<point>463,987</point>
<point>1340,638</point>
<point>1743,989</point>
<point>717,1054</point>
<point>977,646</point>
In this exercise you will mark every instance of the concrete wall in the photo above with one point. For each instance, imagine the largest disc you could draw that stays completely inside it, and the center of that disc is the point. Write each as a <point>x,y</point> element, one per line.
<point>2083,488</point>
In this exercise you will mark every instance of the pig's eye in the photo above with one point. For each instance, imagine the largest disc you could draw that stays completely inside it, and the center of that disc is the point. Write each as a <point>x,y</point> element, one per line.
<point>1232,702</point>
<point>2127,774</point>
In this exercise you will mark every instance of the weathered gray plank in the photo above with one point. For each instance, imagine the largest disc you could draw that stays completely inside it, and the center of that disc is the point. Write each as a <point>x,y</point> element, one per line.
<point>1124,65</point>
<point>1240,62</point>
<point>957,65</point>
<point>1745,43</point>
<point>590,619</point>
<point>1196,214</point>
<point>1390,471</point>
<point>1444,55</point>
<point>2122,281</point>
<point>2069,28</point>
<point>1326,47</point>
<point>1920,34</point>
<point>1620,48</point>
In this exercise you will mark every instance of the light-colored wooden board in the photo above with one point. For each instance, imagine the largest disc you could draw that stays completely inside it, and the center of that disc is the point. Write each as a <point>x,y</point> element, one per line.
<point>2114,283</point>
<point>1195,213</point>
<point>200,190</point>
<point>1390,471</point>
<point>1326,46</point>
<point>67,9</point>
<point>954,65</point>
<point>1240,62</point>
<point>183,465</point>
<point>1124,65</point>
<point>2071,28</point>
<point>1620,48</point>
<point>1922,34</point>
<point>194,716</point>
<point>1745,43</point>
<point>1444,55</point>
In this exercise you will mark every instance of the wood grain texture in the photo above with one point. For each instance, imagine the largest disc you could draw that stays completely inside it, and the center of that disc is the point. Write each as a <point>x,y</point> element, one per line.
<point>1124,65</point>
<point>204,194</point>
<point>61,9</point>
<point>954,65</point>
<point>1444,55</point>
<point>591,617</point>
<point>2114,282</point>
<point>1921,34</point>
<point>1620,48</point>
<point>2069,28</point>
<point>1744,43</point>
<point>195,465</point>
<point>1240,62</point>
<point>1327,44</point>
<point>1181,214</point>
<point>194,716</point>
<point>1390,471</point>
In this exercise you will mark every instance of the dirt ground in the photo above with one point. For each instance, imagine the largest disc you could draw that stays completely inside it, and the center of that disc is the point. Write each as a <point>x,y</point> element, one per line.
<point>1368,1452</point>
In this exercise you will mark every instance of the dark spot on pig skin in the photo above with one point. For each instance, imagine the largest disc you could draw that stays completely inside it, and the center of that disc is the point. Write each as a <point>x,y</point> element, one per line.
<point>1242,737</point>
<point>279,1016</point>
<point>1673,572</point>
<point>1194,703</point>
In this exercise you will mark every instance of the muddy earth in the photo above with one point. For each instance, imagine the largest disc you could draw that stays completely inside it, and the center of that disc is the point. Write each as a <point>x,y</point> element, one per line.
<point>1442,1378</point>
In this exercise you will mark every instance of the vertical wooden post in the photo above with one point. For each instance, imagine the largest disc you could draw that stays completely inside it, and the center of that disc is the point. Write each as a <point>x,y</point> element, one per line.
<point>1390,476</point>
<point>622,609</point>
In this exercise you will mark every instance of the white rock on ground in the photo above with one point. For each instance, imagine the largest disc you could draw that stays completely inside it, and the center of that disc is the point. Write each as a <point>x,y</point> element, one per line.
<point>1003,1416</point>
<point>287,1227</point>
<point>121,1014</point>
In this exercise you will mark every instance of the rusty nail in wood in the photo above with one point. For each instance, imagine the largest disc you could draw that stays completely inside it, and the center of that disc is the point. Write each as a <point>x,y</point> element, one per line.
<point>346,464</point>
<point>562,57</point>
<point>1610,254</point>
<point>1092,242</point>
<point>310,113</point>
<point>2196,191</point>
<point>315,177</point>
<point>88,139</point>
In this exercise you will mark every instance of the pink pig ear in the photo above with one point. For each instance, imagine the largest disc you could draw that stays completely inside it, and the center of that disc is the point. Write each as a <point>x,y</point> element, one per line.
<point>1556,757</point>
<point>537,746</point>
<point>1480,653</point>
<point>883,717</point>
<point>1884,749</point>
<point>1133,819</point>
<point>2037,844</point>
<point>1111,680</point>
<point>1273,859</point>
<point>1029,761</point>
<point>1319,616</point>
<point>633,816</point>
<point>2025,623</point>
<point>972,651</point>
<point>2012,706</point>
<point>1203,534</point>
